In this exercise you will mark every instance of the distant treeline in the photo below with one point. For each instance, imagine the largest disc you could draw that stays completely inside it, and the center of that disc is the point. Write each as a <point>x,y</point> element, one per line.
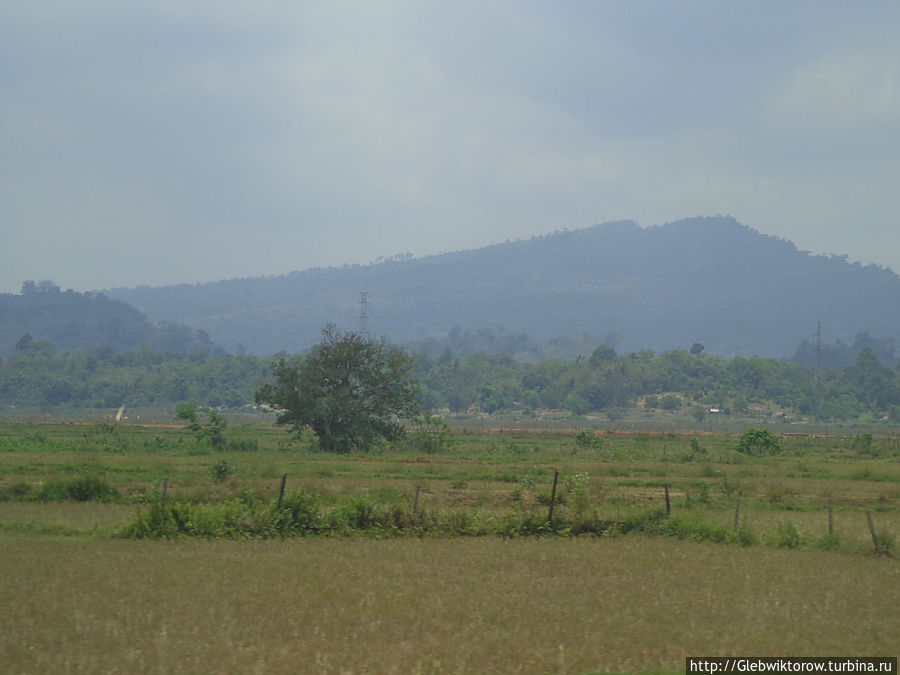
<point>608,382</point>
<point>39,376</point>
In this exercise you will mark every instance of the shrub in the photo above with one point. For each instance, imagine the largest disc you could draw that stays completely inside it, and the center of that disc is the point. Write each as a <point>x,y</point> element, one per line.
<point>703,492</point>
<point>784,535</point>
<point>212,432</point>
<point>578,489</point>
<point>587,439</point>
<point>828,542</point>
<point>81,489</point>
<point>221,470</point>
<point>359,515</point>
<point>431,434</point>
<point>864,444</point>
<point>758,442</point>
<point>299,513</point>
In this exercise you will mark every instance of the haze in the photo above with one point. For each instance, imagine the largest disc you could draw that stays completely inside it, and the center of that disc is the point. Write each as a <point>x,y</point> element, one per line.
<point>166,142</point>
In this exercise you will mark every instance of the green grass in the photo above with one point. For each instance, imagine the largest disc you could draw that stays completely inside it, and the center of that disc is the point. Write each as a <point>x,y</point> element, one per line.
<point>489,477</point>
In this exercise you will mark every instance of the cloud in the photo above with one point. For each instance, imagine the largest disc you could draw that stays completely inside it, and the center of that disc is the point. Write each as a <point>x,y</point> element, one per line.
<point>188,141</point>
<point>850,90</point>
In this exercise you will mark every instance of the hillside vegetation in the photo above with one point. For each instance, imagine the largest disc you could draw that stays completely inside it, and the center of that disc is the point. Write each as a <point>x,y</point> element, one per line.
<point>707,280</point>
<point>70,320</point>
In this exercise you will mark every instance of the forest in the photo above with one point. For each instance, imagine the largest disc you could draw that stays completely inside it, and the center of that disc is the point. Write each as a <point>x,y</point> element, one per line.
<point>38,377</point>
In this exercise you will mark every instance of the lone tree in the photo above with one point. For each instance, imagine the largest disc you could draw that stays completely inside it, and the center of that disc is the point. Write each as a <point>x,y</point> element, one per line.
<point>350,390</point>
<point>758,442</point>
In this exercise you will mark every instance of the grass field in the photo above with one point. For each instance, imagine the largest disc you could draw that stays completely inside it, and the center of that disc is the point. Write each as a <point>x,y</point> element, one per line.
<point>76,598</point>
<point>431,605</point>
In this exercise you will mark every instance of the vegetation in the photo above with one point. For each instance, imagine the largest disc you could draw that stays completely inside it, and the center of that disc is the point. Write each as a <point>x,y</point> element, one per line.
<point>88,321</point>
<point>479,484</point>
<point>758,442</point>
<point>212,432</point>
<point>350,390</point>
<point>38,376</point>
<point>398,547</point>
<point>702,280</point>
<point>433,605</point>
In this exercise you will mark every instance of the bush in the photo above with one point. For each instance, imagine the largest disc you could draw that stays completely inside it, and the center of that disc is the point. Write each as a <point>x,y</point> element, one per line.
<point>758,442</point>
<point>579,492</point>
<point>299,513</point>
<point>784,535</point>
<point>221,470</point>
<point>587,439</point>
<point>81,489</point>
<point>885,544</point>
<point>212,432</point>
<point>864,444</point>
<point>431,434</point>
<point>828,542</point>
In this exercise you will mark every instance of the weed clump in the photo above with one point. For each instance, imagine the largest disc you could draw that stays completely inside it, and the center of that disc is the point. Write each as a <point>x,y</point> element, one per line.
<point>222,470</point>
<point>243,517</point>
<point>784,535</point>
<point>81,489</point>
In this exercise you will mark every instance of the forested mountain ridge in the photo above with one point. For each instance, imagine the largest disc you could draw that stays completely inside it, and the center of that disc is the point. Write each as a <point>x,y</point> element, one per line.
<point>43,313</point>
<point>709,280</point>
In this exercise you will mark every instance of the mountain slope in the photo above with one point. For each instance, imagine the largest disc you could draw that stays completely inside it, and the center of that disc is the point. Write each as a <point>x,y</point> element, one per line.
<point>71,320</point>
<point>707,280</point>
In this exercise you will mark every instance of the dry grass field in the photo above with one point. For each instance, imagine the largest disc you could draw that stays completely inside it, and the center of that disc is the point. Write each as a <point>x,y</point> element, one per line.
<point>431,606</point>
<point>76,598</point>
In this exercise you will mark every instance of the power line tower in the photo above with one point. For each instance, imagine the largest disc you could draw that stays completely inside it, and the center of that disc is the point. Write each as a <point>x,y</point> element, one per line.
<point>363,313</point>
<point>817,374</point>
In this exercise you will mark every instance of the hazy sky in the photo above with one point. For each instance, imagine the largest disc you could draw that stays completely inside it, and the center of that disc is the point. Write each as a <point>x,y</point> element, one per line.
<point>169,141</point>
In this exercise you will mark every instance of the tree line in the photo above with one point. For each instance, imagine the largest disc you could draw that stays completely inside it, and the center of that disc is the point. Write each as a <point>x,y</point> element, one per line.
<point>609,382</point>
<point>38,375</point>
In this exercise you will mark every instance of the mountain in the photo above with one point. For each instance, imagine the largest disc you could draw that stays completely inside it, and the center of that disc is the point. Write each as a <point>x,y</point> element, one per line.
<point>70,320</point>
<point>707,280</point>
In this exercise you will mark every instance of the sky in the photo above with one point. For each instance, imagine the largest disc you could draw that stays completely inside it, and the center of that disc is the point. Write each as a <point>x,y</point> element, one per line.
<point>176,141</point>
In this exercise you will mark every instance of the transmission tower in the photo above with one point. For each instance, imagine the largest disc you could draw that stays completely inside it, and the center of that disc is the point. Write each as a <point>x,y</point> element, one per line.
<point>817,374</point>
<point>363,316</point>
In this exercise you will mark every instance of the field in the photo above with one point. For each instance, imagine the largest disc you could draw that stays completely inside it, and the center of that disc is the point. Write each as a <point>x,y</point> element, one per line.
<point>508,597</point>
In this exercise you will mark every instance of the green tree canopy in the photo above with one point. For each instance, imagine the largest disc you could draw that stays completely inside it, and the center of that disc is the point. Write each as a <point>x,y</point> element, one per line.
<point>350,390</point>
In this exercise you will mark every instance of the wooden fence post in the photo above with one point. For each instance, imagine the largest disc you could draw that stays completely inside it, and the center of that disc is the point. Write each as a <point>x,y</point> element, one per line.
<point>416,502</point>
<point>737,510</point>
<point>553,496</point>
<point>281,491</point>
<point>872,532</point>
<point>668,506</point>
<point>162,501</point>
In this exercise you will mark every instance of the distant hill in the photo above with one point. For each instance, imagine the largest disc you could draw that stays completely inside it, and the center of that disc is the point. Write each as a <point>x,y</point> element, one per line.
<point>71,320</point>
<point>703,280</point>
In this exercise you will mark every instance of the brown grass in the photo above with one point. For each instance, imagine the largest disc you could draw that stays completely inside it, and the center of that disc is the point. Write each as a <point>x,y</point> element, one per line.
<point>430,606</point>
